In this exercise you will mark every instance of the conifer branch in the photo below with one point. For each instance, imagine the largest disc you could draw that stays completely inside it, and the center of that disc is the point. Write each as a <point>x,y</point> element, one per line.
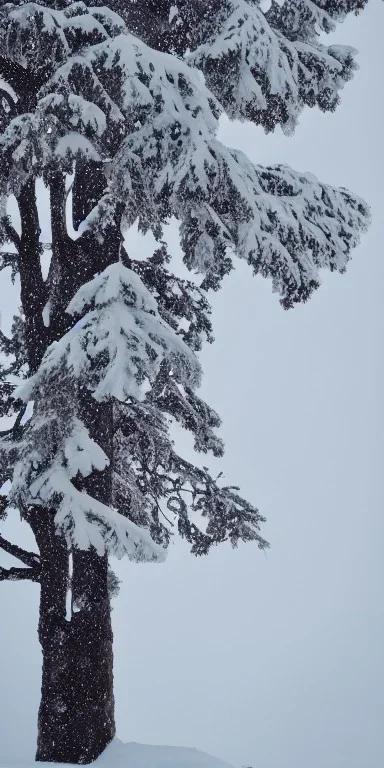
<point>20,574</point>
<point>7,259</point>
<point>30,559</point>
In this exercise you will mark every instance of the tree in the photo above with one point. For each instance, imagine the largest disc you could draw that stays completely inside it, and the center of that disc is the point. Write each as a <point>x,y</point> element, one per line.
<point>115,111</point>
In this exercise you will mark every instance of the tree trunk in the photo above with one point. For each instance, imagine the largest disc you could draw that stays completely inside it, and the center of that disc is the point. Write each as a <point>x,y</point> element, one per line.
<point>32,289</point>
<point>76,714</point>
<point>91,638</point>
<point>91,724</point>
<point>53,636</point>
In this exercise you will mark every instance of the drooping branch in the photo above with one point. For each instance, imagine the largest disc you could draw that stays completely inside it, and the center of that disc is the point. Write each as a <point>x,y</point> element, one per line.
<point>30,559</point>
<point>20,574</point>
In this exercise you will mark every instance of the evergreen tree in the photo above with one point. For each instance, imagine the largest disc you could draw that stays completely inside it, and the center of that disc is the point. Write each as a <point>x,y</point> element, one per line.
<point>115,111</point>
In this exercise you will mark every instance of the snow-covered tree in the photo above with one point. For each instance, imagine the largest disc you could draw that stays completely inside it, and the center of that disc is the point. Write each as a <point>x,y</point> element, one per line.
<point>112,113</point>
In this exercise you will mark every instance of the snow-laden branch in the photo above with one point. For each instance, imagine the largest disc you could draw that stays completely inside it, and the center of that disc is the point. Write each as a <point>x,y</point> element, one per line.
<point>119,342</point>
<point>51,463</point>
<point>101,101</point>
<point>155,122</point>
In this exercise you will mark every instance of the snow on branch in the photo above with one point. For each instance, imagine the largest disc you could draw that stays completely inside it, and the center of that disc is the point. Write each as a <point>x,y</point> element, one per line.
<point>266,67</point>
<point>86,522</point>
<point>144,121</point>
<point>287,225</point>
<point>51,462</point>
<point>154,124</point>
<point>302,19</point>
<point>116,347</point>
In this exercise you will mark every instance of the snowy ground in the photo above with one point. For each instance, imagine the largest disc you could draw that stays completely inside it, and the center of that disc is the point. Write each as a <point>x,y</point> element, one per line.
<point>119,755</point>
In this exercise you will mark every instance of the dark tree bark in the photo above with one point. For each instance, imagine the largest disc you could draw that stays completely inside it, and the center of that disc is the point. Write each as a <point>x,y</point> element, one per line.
<point>90,724</point>
<point>53,737</point>
<point>88,186</point>
<point>76,714</point>
<point>32,289</point>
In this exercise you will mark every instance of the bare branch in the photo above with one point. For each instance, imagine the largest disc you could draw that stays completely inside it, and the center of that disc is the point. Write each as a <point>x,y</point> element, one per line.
<point>20,574</point>
<point>17,425</point>
<point>11,233</point>
<point>30,559</point>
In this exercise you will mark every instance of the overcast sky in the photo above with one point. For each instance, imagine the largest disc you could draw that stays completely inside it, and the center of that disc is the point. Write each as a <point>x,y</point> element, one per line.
<point>273,661</point>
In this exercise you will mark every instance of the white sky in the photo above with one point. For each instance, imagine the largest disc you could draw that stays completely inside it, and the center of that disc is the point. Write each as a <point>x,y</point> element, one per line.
<point>272,661</point>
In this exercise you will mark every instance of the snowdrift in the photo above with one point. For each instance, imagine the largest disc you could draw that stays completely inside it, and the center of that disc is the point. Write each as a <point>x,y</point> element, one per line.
<point>119,755</point>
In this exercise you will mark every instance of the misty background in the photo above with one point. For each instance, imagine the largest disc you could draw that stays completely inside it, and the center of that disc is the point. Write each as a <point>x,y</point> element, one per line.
<point>267,660</point>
